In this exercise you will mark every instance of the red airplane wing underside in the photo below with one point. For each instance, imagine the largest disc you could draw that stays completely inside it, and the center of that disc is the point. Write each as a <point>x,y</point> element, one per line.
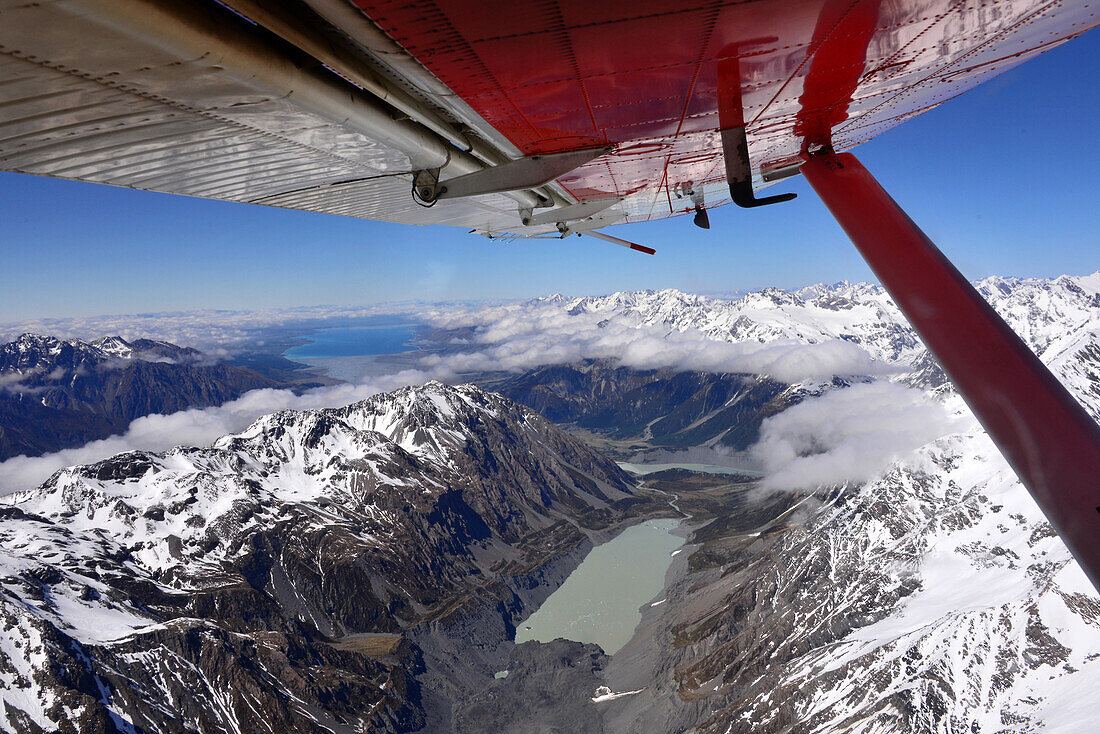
<point>308,104</point>
<point>649,76</point>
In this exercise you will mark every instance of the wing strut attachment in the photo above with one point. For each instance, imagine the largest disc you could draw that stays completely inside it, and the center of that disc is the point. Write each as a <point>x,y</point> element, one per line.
<point>735,144</point>
<point>1047,437</point>
<point>524,173</point>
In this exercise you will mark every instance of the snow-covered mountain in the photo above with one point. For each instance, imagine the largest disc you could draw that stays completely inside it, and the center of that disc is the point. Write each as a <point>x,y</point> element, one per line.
<point>1058,318</point>
<point>234,588</point>
<point>37,352</point>
<point>860,313</point>
<point>665,407</point>
<point>296,576</point>
<point>934,598</point>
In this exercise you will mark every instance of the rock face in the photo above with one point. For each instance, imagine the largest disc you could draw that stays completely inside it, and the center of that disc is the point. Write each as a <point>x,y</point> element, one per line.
<point>283,577</point>
<point>548,688</point>
<point>57,394</point>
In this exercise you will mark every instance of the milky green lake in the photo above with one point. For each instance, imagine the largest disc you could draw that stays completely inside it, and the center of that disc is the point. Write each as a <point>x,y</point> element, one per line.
<point>600,600</point>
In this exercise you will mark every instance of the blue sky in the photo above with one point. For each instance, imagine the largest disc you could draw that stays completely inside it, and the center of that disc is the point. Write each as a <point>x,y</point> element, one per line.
<point>1003,179</point>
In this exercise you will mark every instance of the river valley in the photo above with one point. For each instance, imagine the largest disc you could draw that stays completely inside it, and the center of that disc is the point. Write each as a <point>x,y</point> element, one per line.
<point>595,665</point>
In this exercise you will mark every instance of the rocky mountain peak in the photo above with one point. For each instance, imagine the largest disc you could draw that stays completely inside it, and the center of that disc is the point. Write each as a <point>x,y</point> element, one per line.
<point>115,346</point>
<point>40,351</point>
<point>436,420</point>
<point>29,340</point>
<point>413,441</point>
<point>283,551</point>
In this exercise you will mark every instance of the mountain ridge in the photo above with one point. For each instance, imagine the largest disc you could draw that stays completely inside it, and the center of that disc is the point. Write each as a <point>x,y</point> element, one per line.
<point>932,598</point>
<point>57,394</point>
<point>288,539</point>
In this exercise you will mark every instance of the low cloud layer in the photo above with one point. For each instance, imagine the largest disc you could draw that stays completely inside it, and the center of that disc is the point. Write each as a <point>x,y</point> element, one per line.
<point>522,336</point>
<point>513,336</point>
<point>510,337</point>
<point>195,427</point>
<point>847,435</point>
<point>13,381</point>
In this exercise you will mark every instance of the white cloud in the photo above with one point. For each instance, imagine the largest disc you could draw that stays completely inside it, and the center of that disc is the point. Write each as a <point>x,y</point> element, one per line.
<point>521,336</point>
<point>195,427</point>
<point>12,381</point>
<point>513,337</point>
<point>847,435</point>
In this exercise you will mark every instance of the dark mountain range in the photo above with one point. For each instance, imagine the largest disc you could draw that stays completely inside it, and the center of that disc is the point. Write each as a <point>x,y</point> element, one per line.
<point>314,573</point>
<point>661,408</point>
<point>58,394</point>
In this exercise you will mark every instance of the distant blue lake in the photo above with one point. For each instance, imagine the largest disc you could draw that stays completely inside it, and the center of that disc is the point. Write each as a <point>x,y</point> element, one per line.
<point>355,341</point>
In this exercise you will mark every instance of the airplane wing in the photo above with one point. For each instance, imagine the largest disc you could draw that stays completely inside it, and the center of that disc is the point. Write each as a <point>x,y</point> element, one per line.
<point>557,117</point>
<point>330,106</point>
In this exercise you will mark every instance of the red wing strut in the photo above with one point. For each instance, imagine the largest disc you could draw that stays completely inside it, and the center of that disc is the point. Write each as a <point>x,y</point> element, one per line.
<point>1047,437</point>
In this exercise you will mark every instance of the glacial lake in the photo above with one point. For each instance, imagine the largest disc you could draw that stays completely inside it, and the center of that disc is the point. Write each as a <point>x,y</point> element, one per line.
<point>355,341</point>
<point>600,600</point>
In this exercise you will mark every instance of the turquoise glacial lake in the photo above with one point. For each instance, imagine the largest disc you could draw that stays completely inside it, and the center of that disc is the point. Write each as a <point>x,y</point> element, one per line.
<point>600,600</point>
